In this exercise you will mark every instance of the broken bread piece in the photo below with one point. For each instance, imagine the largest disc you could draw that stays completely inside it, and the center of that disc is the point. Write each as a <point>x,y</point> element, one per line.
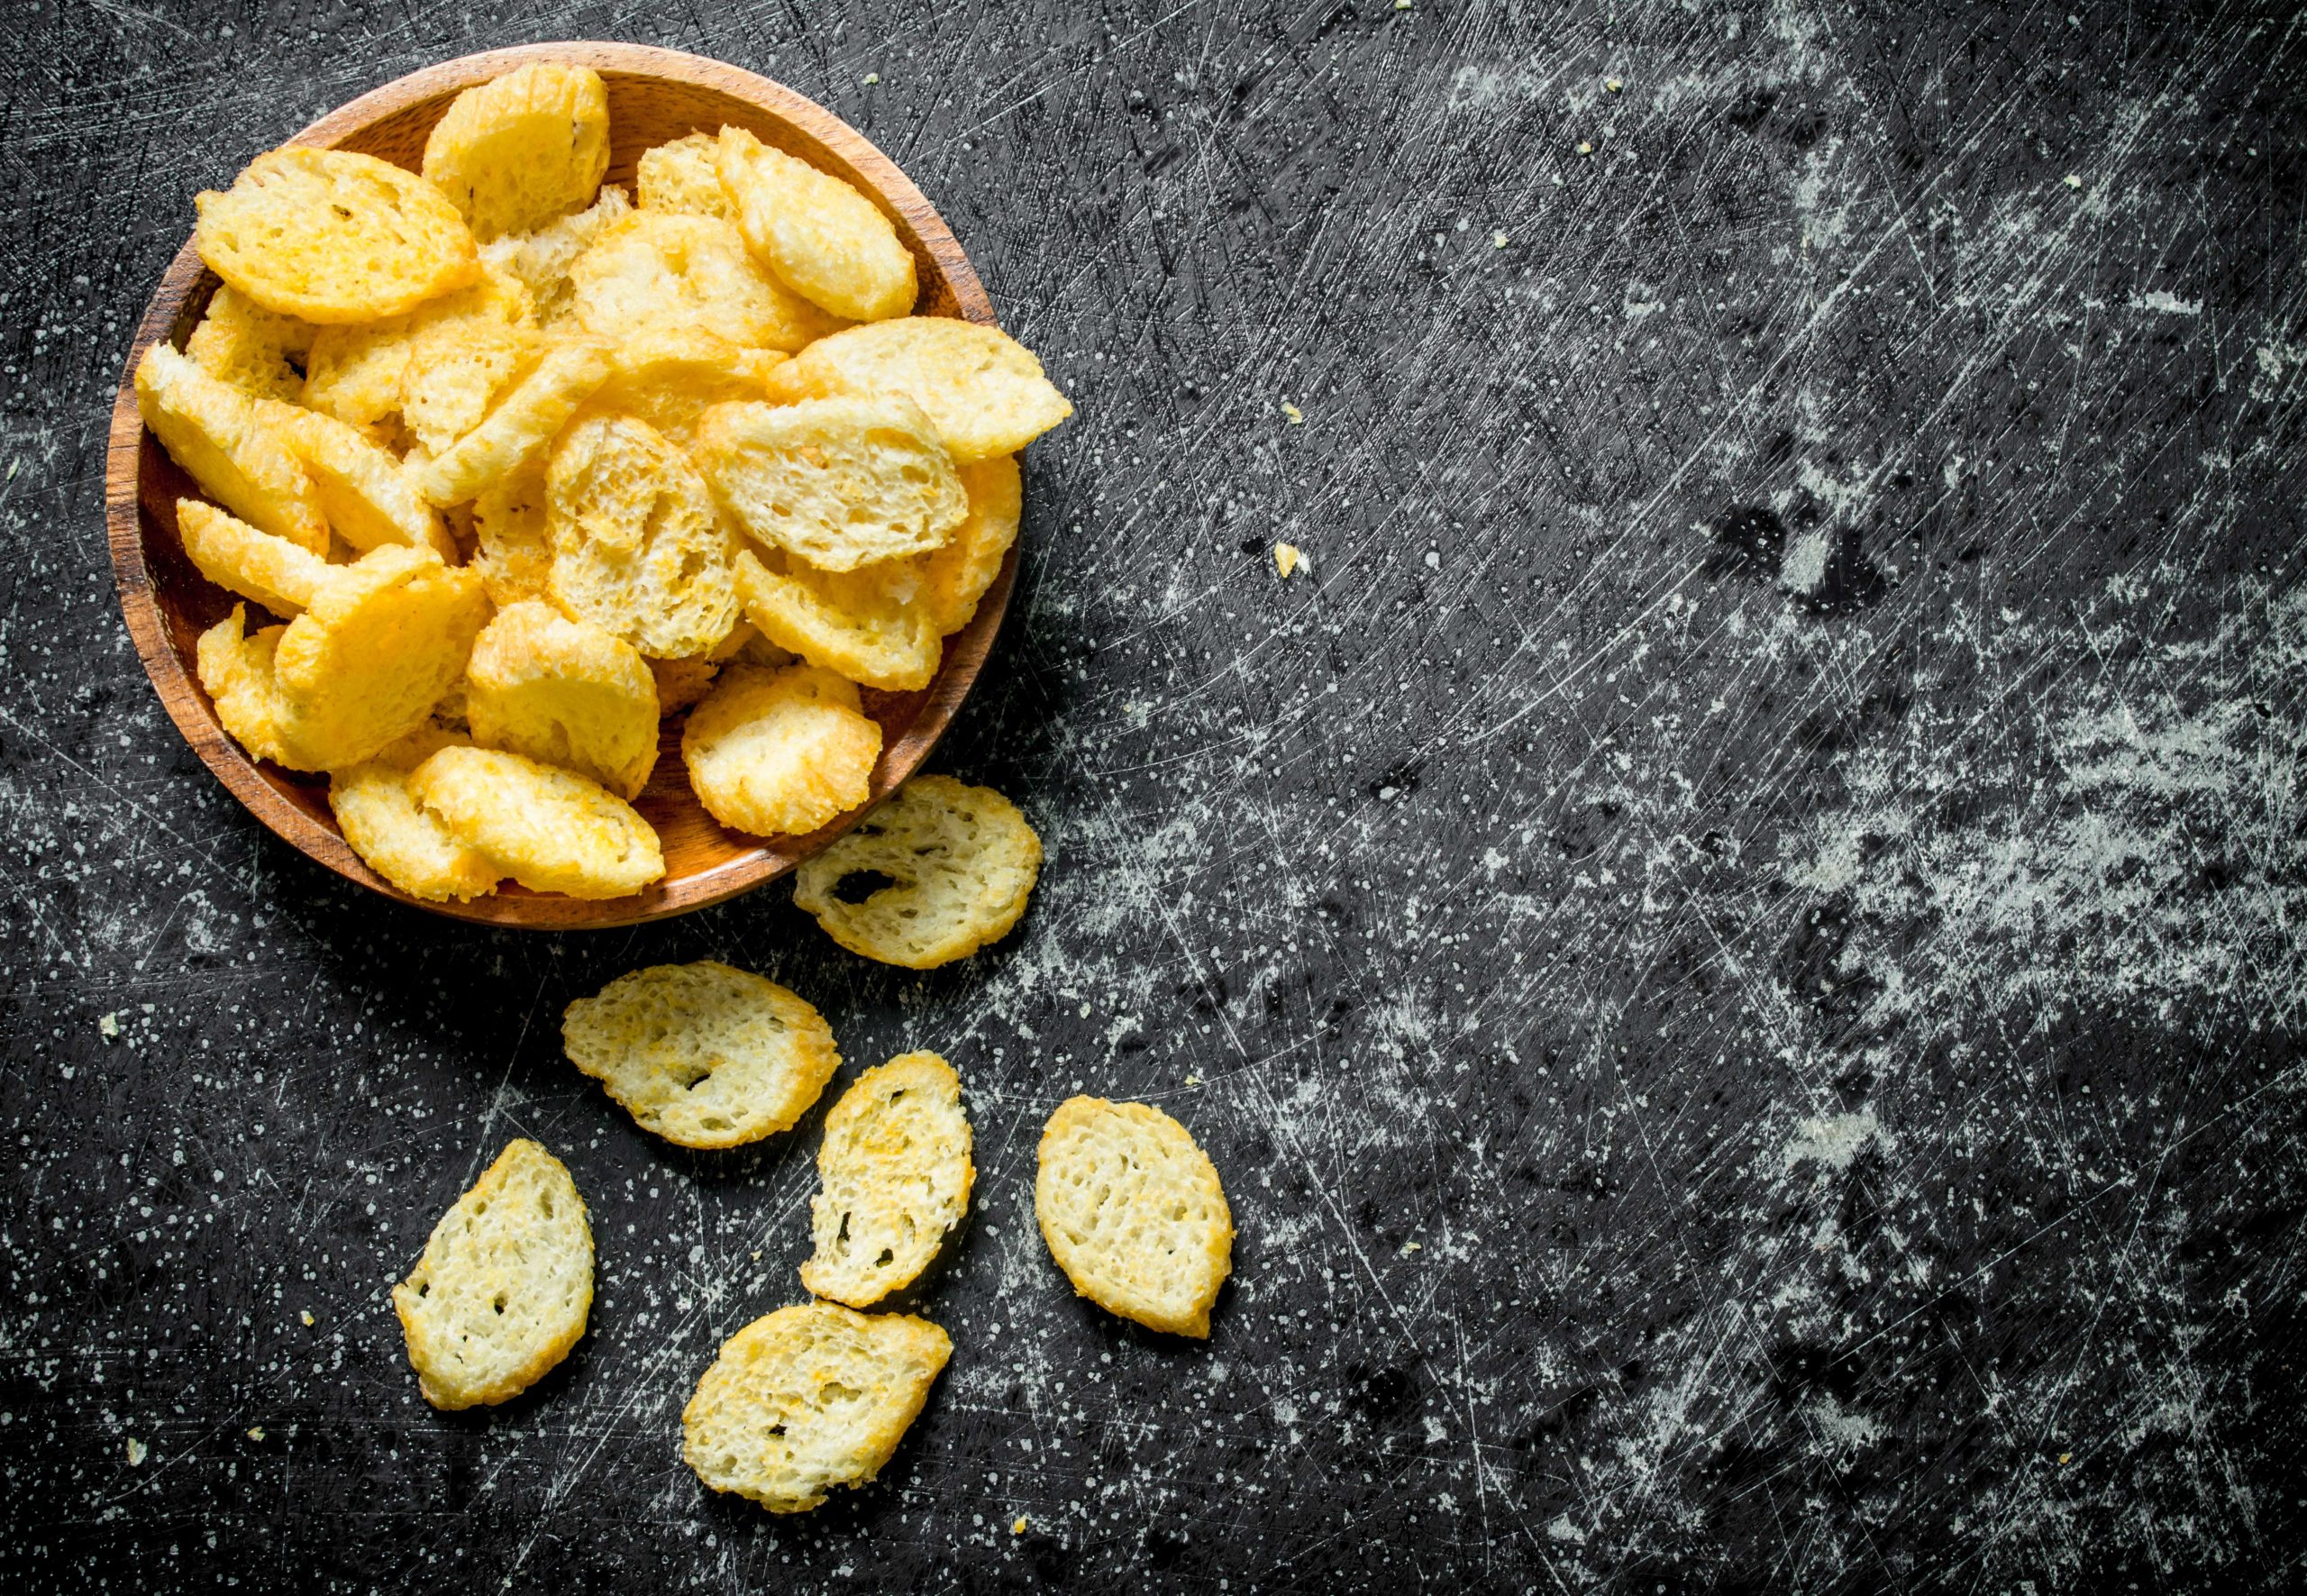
<point>809,1398</point>
<point>779,753</point>
<point>863,625</point>
<point>565,693</point>
<point>524,149</point>
<point>954,577</point>
<point>637,547</point>
<point>540,261</point>
<point>215,432</point>
<point>396,836</point>
<point>240,343</point>
<point>277,574</point>
<point>703,1054</point>
<point>663,268</point>
<point>894,1177</point>
<point>984,390</point>
<point>552,830</point>
<point>960,863</point>
<point>825,240</point>
<point>840,483</point>
<point>522,427</point>
<point>680,176</point>
<point>1134,1213</point>
<point>504,1286</point>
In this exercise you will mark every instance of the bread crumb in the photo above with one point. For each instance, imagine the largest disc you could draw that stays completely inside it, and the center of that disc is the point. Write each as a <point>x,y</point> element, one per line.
<point>1019,1526</point>
<point>256,1432</point>
<point>2065,1458</point>
<point>1586,147</point>
<point>871,78</point>
<point>137,1453</point>
<point>1194,1080</point>
<point>1287,559</point>
<point>1410,1246</point>
<point>307,1317</point>
<point>1292,414</point>
<point>1498,241</point>
<point>1612,84</point>
<point>2072,181</point>
<point>109,1026</point>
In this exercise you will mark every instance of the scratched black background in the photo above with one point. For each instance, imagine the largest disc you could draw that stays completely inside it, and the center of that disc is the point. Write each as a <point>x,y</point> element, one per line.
<point>1737,942</point>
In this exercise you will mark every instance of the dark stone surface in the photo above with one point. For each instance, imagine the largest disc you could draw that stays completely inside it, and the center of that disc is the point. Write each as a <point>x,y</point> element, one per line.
<point>1738,944</point>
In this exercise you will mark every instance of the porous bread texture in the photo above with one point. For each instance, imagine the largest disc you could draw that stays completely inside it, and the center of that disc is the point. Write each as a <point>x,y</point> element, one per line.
<point>211,429</point>
<point>541,260</point>
<point>863,624</point>
<point>552,830</point>
<point>523,424</point>
<point>683,683</point>
<point>894,1177</point>
<point>703,1054</point>
<point>329,236</point>
<point>778,753</point>
<point>513,543</point>
<point>235,668</point>
<point>961,862</point>
<point>521,150</point>
<point>277,574</point>
<point>367,498</point>
<point>663,268</point>
<point>565,693</point>
<point>456,368</point>
<point>355,373</point>
<point>396,836</point>
<point>240,343</point>
<point>1134,1214</point>
<point>681,176</point>
<point>824,240</point>
<point>984,390</point>
<point>669,377</point>
<point>504,1286</point>
<point>637,547</point>
<point>953,579</point>
<point>840,483</point>
<point>809,1398</point>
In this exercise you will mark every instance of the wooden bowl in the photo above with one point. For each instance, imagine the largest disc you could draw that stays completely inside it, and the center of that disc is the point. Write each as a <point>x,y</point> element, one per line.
<point>654,94</point>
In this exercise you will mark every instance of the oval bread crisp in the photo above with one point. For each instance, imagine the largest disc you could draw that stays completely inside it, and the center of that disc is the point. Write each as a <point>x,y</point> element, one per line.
<point>277,574</point>
<point>962,863</point>
<point>564,693</point>
<point>213,430</point>
<point>839,483</point>
<point>551,830</point>
<point>396,836</point>
<point>703,1054</point>
<point>984,390</point>
<point>824,240</point>
<point>894,1177</point>
<point>637,547</point>
<point>663,268</point>
<point>862,625</point>
<point>779,752</point>
<point>809,1398</point>
<point>1134,1213</point>
<point>366,496</point>
<point>523,150</point>
<point>955,577</point>
<point>505,1285</point>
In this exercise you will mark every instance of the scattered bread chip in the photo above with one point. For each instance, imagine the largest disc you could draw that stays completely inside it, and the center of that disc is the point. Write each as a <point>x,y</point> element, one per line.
<point>505,1284</point>
<point>637,547</point>
<point>809,1398</point>
<point>456,368</point>
<point>983,389</point>
<point>211,429</point>
<point>657,269</point>
<point>357,373</point>
<point>682,683</point>
<point>779,752</point>
<point>1134,1214</point>
<point>894,1177</point>
<point>396,836</point>
<point>1287,559</point>
<point>521,150</point>
<point>961,862</point>
<point>369,500</point>
<point>839,482</point>
<point>863,625</point>
<point>512,542</point>
<point>522,427</point>
<point>541,260</point>
<point>955,577</point>
<point>242,342</point>
<point>669,377</point>
<point>327,235</point>
<point>277,574</point>
<point>703,1054</point>
<point>565,693</point>
<point>551,830</point>
<point>681,176</point>
<point>823,239</point>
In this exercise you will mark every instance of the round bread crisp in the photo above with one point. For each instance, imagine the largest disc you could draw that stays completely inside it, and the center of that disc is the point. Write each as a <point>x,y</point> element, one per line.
<point>809,1398</point>
<point>779,752</point>
<point>524,149</point>
<point>961,862</point>
<point>954,577</point>
<point>565,693</point>
<point>657,269</point>
<point>326,235</point>
<point>894,1177</point>
<point>505,1285</point>
<point>866,625</point>
<point>824,240</point>
<point>703,1054</point>
<point>396,836</point>
<point>983,389</point>
<point>213,430</point>
<point>637,547</point>
<point>1133,1212</point>
<point>551,830</point>
<point>839,483</point>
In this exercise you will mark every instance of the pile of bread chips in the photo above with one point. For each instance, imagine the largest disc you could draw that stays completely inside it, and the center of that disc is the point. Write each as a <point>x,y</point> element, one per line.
<point>521,465</point>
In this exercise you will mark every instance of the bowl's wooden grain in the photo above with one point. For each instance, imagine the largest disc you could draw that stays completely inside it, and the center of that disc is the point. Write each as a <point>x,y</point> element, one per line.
<point>654,94</point>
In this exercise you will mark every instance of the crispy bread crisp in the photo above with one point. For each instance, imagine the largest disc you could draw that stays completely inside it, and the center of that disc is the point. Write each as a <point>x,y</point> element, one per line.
<point>396,836</point>
<point>824,240</point>
<point>778,753</point>
<point>541,260</point>
<point>514,543</point>
<point>983,389</point>
<point>863,625</point>
<point>277,574</point>
<point>961,862</point>
<point>368,498</point>
<point>357,373</point>
<point>240,343</point>
<point>955,577</point>
<point>1133,1212</point>
<point>565,693</point>
<point>551,830</point>
<point>894,1177</point>
<point>213,430</point>
<point>637,547</point>
<point>522,427</point>
<point>839,483</point>
<point>661,268</point>
<point>522,150</point>
<point>681,176</point>
<point>670,376</point>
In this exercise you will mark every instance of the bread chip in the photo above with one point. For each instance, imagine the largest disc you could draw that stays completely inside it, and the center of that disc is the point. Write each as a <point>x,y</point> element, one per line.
<point>243,343</point>
<point>636,548</point>
<point>505,1285</point>
<point>522,427</point>
<point>681,176</point>
<point>894,1177</point>
<point>513,543</point>
<point>703,1054</point>
<point>369,500</point>
<point>779,752</point>
<point>681,683</point>
<point>541,260</point>
<point>455,371</point>
<point>396,836</point>
<point>657,269</point>
<point>565,693</point>
<point>961,862</point>
<point>327,235</point>
<point>551,830</point>
<point>809,1398</point>
<point>862,625</point>
<point>955,577</point>
<point>1133,1212</point>
<point>519,151</point>
<point>823,239</point>
<point>211,429</point>
<point>841,483</point>
<point>357,373</point>
<point>277,574</point>
<point>237,670</point>
<point>670,376</point>
<point>983,389</point>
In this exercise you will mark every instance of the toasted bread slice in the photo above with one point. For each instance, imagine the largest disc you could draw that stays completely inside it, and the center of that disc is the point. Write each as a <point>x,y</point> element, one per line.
<point>824,240</point>
<point>277,574</point>
<point>841,483</point>
<point>781,753</point>
<point>368,498</point>
<point>1133,1212</point>
<point>809,1398</point>
<point>866,625</point>
<point>984,390</point>
<point>396,836</point>
<point>681,176</point>
<point>505,1285</point>
<point>703,1054</point>
<point>373,652</point>
<point>552,830</point>
<point>213,430</point>
<point>961,862</point>
<point>522,150</point>
<point>522,427</point>
<point>660,269</point>
<point>894,1177</point>
<point>240,343</point>
<point>637,547</point>
<point>565,693</point>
